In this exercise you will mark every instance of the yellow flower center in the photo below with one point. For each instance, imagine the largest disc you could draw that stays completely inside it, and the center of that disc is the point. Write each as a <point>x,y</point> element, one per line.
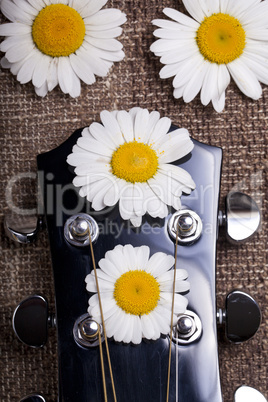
<point>221,38</point>
<point>58,30</point>
<point>134,162</point>
<point>136,292</point>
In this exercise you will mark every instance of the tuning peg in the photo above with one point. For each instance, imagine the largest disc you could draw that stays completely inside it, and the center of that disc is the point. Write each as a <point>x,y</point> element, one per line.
<point>31,321</point>
<point>33,398</point>
<point>22,229</point>
<point>248,394</point>
<point>242,316</point>
<point>241,218</point>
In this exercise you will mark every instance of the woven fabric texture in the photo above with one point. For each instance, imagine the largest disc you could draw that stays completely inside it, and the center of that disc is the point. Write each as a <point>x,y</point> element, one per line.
<point>31,125</point>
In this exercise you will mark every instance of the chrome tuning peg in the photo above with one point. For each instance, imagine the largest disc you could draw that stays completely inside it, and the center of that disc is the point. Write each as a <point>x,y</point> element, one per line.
<point>242,316</point>
<point>33,398</point>
<point>31,321</point>
<point>22,229</point>
<point>241,218</point>
<point>248,394</point>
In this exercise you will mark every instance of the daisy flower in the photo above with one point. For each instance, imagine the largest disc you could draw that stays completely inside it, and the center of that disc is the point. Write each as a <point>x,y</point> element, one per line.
<point>224,39</point>
<point>136,293</point>
<point>126,159</point>
<point>51,42</point>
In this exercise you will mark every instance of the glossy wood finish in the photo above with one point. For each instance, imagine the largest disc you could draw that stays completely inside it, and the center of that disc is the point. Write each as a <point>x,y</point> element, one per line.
<point>140,372</point>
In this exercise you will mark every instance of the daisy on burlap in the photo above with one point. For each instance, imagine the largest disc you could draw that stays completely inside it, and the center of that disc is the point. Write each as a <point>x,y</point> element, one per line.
<point>126,159</point>
<point>136,293</point>
<point>224,39</point>
<point>52,42</point>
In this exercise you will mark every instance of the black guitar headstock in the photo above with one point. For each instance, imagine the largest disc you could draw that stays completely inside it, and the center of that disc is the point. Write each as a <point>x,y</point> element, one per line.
<point>107,348</point>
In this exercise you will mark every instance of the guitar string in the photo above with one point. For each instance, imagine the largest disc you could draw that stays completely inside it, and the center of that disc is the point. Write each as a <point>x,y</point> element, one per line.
<point>102,318</point>
<point>102,365</point>
<point>172,312</point>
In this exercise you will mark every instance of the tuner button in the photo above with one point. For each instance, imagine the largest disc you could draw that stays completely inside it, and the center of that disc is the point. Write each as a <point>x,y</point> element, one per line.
<point>22,229</point>
<point>86,331</point>
<point>188,328</point>
<point>31,321</point>
<point>187,224</point>
<point>242,317</point>
<point>79,229</point>
<point>242,217</point>
<point>185,324</point>
<point>89,329</point>
<point>248,394</point>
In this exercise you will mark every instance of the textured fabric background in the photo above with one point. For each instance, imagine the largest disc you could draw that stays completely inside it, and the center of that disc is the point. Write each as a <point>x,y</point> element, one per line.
<point>30,125</point>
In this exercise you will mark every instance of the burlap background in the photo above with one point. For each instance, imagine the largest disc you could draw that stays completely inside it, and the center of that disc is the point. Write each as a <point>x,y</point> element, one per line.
<point>31,125</point>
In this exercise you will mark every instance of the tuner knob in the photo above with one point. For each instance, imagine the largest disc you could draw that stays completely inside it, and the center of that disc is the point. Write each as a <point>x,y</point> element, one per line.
<point>248,394</point>
<point>22,229</point>
<point>80,229</point>
<point>242,316</point>
<point>33,398</point>
<point>242,217</point>
<point>31,321</point>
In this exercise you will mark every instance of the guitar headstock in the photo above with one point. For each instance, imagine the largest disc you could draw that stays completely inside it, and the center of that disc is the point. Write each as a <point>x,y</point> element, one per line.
<point>141,371</point>
<point>148,364</point>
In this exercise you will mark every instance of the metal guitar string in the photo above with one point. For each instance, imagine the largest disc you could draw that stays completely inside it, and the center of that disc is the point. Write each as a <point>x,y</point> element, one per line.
<point>172,312</point>
<point>103,324</point>
<point>102,365</point>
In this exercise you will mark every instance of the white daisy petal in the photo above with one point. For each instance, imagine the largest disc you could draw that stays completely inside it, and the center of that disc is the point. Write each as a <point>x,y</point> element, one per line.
<point>94,146</point>
<point>42,91</point>
<point>13,29</point>
<point>239,7</point>
<point>154,204</point>
<point>218,103</point>
<point>138,199</point>
<point>66,60</point>
<point>111,124</point>
<point>195,83</point>
<point>98,200</point>
<point>209,88</point>
<point>148,330</point>
<point>223,78</point>
<point>183,33</point>
<point>19,52</point>
<point>194,9</point>
<point>126,205</point>
<point>103,17</point>
<point>174,146</point>
<point>180,17</point>
<point>109,268</point>
<point>259,66</point>
<point>88,8</point>
<point>15,13</point>
<point>126,124</point>
<point>26,71</point>
<point>159,263</point>
<point>112,167</point>
<point>99,132</point>
<point>188,48</point>
<point>182,53</point>
<point>98,66</point>
<point>81,69</point>
<point>245,79</point>
<point>140,125</point>
<point>130,315</point>
<point>160,129</point>
<point>142,254</point>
